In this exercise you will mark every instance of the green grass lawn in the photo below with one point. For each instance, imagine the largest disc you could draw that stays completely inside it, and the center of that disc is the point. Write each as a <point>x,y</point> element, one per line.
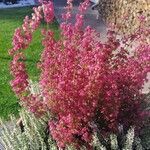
<point>9,20</point>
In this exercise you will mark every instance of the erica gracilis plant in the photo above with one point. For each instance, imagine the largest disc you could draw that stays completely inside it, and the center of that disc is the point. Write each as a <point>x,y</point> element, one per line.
<point>86,84</point>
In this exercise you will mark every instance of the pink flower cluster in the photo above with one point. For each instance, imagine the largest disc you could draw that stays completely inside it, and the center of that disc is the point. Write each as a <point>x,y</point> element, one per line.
<point>83,80</point>
<point>21,40</point>
<point>48,10</point>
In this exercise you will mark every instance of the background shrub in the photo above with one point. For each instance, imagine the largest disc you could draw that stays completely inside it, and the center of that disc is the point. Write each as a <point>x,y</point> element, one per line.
<point>10,1</point>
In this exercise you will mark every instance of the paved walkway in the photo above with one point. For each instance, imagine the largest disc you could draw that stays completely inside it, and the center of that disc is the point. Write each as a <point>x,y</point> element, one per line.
<point>90,16</point>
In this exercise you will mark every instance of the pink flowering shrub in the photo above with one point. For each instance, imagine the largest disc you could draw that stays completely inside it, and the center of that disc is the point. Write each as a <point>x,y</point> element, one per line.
<point>87,85</point>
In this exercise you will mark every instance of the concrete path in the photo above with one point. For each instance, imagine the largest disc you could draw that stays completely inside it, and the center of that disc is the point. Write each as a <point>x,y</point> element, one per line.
<point>90,16</point>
